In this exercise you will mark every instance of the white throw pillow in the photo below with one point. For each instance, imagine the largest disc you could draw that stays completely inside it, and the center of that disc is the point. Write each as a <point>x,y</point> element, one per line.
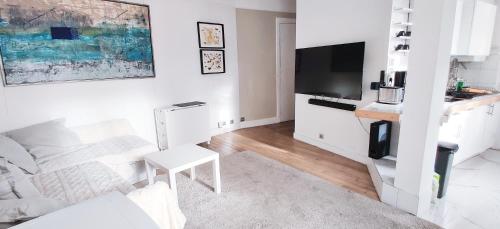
<point>28,208</point>
<point>46,139</point>
<point>17,155</point>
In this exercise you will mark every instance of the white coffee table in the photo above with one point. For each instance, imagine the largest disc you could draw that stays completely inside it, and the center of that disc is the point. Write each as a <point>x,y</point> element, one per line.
<point>179,159</point>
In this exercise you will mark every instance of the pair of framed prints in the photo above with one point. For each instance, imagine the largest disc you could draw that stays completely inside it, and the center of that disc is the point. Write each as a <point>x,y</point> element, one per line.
<point>211,43</point>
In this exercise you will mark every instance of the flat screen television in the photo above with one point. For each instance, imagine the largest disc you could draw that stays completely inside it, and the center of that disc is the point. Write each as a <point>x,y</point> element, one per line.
<point>331,71</point>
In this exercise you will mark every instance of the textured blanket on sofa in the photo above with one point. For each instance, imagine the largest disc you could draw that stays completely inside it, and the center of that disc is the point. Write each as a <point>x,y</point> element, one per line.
<point>112,151</point>
<point>80,182</point>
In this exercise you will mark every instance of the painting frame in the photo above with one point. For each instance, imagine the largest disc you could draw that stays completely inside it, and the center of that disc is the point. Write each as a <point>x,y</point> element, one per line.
<point>203,72</point>
<point>223,40</point>
<point>3,72</point>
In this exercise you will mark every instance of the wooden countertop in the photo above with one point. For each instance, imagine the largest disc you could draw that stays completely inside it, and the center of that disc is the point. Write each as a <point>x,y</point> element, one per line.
<point>393,112</point>
<point>469,104</point>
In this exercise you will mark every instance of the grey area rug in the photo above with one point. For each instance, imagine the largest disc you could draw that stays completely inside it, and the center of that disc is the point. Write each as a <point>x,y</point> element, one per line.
<point>258,192</point>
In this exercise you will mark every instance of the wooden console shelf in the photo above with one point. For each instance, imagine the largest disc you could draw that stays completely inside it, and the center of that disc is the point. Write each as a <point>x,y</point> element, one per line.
<point>380,111</point>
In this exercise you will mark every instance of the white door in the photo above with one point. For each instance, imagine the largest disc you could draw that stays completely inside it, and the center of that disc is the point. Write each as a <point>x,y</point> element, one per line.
<point>286,70</point>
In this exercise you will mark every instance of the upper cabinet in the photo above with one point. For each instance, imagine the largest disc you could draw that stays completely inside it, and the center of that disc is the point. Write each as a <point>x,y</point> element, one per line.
<point>473,29</point>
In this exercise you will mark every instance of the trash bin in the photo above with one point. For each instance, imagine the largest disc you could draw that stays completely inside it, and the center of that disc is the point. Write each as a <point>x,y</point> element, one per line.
<point>443,164</point>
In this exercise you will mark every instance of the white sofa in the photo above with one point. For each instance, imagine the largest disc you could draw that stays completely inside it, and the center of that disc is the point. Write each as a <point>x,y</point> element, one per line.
<point>109,158</point>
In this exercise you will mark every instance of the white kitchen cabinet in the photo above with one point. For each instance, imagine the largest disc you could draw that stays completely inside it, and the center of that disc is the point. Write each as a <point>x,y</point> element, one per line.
<point>474,131</point>
<point>491,126</point>
<point>473,29</point>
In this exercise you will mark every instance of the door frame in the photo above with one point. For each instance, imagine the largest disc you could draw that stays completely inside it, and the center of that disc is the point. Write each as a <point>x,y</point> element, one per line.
<point>279,22</point>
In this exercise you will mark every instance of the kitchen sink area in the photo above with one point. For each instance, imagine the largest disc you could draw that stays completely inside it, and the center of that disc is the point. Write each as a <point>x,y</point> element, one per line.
<point>466,94</point>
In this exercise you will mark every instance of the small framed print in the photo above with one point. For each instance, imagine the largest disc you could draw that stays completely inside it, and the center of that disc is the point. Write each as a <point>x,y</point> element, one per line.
<point>210,35</point>
<point>212,61</point>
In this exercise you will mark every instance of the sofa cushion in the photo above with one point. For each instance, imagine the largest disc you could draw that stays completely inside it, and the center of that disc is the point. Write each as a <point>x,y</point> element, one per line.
<point>28,208</point>
<point>46,139</point>
<point>17,155</point>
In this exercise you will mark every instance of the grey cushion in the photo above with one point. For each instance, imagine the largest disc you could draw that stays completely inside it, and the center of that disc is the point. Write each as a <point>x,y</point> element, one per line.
<point>17,155</point>
<point>14,183</point>
<point>6,189</point>
<point>6,182</point>
<point>28,208</point>
<point>46,139</point>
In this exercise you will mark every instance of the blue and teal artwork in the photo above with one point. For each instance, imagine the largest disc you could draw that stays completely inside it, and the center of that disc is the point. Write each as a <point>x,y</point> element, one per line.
<point>44,41</point>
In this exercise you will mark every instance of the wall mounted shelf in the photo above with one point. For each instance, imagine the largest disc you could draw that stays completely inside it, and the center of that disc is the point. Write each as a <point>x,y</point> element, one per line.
<point>403,10</point>
<point>403,24</point>
<point>401,52</point>
<point>403,38</point>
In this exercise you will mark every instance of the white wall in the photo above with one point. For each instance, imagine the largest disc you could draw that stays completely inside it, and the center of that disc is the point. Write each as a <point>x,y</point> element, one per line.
<point>428,68</point>
<point>178,78</point>
<point>269,5</point>
<point>327,22</point>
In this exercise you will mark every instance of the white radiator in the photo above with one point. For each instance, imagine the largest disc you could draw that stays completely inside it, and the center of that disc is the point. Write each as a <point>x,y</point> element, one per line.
<point>182,125</point>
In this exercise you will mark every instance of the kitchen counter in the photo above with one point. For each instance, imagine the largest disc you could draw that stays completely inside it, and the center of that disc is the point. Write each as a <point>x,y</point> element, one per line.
<point>469,104</point>
<point>393,113</point>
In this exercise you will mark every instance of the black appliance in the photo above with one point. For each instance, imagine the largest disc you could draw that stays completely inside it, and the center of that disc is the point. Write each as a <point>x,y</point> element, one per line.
<point>380,139</point>
<point>444,161</point>
<point>400,79</point>
<point>325,103</point>
<point>332,71</point>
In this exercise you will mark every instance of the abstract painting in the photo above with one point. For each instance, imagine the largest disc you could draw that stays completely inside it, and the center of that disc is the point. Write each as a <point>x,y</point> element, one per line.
<point>210,35</point>
<point>212,61</point>
<point>44,41</point>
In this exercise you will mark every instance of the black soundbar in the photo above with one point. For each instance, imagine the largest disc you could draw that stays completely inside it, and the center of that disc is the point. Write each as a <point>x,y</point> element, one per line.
<point>324,103</point>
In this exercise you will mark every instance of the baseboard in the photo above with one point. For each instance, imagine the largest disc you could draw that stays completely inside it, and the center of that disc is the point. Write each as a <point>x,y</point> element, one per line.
<point>333,149</point>
<point>242,125</point>
<point>259,122</point>
<point>224,130</point>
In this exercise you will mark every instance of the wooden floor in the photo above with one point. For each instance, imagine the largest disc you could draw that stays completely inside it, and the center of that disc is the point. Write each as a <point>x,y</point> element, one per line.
<point>276,141</point>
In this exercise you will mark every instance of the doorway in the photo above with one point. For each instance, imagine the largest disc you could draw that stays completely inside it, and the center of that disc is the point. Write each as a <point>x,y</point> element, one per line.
<point>285,69</point>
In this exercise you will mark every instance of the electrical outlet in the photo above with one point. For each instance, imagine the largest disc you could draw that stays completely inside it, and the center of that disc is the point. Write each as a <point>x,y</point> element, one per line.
<point>221,124</point>
<point>321,136</point>
<point>242,119</point>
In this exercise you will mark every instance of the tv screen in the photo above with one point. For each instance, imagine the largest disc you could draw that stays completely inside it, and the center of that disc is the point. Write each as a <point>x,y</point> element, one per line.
<point>332,71</point>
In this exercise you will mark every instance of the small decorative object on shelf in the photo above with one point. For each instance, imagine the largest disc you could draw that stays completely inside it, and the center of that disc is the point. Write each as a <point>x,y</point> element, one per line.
<point>402,47</point>
<point>403,34</point>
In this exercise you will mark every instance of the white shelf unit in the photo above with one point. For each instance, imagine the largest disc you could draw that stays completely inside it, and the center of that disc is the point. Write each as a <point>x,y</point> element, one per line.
<point>383,171</point>
<point>400,21</point>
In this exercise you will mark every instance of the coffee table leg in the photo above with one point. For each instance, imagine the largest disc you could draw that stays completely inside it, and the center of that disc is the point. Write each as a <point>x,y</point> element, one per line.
<point>172,182</point>
<point>193,173</point>
<point>150,173</point>
<point>216,174</point>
